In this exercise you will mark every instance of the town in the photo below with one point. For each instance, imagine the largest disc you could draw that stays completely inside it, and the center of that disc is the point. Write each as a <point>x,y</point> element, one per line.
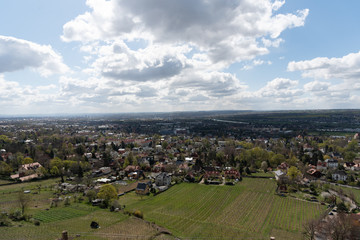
<point>306,178</point>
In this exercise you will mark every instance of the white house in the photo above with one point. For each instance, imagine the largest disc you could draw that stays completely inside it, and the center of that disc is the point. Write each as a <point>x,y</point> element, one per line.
<point>279,174</point>
<point>332,163</point>
<point>339,175</point>
<point>163,179</point>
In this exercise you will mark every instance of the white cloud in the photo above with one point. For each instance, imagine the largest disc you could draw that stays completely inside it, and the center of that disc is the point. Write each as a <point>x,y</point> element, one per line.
<point>226,30</point>
<point>17,54</point>
<point>186,47</point>
<point>346,68</point>
<point>316,86</point>
<point>280,88</point>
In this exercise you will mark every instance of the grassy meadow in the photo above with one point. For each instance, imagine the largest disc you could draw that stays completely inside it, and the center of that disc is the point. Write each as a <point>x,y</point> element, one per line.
<point>248,210</point>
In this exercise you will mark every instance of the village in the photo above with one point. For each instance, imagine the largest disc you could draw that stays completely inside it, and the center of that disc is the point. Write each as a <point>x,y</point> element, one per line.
<point>102,163</point>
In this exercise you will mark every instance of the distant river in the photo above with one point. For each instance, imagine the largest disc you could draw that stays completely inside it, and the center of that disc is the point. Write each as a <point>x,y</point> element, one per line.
<point>227,121</point>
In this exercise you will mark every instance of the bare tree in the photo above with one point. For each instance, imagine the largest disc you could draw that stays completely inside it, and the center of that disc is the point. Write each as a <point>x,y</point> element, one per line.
<point>310,229</point>
<point>340,227</point>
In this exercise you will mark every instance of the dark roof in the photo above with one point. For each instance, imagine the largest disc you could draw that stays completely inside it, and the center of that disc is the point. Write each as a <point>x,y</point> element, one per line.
<point>340,172</point>
<point>141,186</point>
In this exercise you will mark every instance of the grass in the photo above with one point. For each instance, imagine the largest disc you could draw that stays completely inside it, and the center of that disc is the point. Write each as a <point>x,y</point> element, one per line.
<point>63,213</point>
<point>349,192</point>
<point>263,174</point>
<point>248,210</point>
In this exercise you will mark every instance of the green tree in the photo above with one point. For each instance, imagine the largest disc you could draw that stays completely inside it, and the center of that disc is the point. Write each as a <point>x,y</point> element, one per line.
<point>264,166</point>
<point>24,201</point>
<point>5,169</point>
<point>108,193</point>
<point>293,173</point>
<point>91,195</point>
<point>27,160</point>
<point>277,159</point>
<point>57,167</point>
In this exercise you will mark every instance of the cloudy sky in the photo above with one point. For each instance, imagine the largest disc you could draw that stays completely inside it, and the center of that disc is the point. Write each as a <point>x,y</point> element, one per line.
<point>109,56</point>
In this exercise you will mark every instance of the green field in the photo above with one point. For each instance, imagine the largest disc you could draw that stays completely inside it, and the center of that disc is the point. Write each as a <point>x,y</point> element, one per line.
<point>248,210</point>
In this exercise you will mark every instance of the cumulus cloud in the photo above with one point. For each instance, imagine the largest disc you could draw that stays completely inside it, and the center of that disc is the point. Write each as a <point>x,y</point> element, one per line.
<point>17,54</point>
<point>345,68</point>
<point>226,30</point>
<point>281,88</point>
<point>155,62</point>
<point>316,86</point>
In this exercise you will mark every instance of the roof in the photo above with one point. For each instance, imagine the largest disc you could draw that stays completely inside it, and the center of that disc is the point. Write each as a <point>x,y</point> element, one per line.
<point>31,165</point>
<point>340,172</point>
<point>141,186</point>
<point>279,173</point>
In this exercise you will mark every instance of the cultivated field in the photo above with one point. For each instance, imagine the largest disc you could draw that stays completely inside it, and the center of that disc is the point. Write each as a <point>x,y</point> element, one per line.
<point>248,210</point>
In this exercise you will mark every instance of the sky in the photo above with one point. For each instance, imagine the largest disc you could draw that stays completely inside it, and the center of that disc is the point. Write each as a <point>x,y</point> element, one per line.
<point>115,56</point>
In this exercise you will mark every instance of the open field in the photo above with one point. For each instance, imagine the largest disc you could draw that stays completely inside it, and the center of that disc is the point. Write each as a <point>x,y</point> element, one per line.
<point>248,210</point>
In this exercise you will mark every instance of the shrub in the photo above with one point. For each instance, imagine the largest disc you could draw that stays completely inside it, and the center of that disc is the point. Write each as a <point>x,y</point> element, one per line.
<point>17,215</point>
<point>67,201</point>
<point>4,220</point>
<point>115,204</point>
<point>138,214</point>
<point>91,195</point>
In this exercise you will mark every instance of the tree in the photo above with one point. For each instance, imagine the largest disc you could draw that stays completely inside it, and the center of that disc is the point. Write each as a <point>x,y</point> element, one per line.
<point>310,229</point>
<point>277,159</point>
<point>27,160</point>
<point>341,207</point>
<point>5,169</point>
<point>57,167</point>
<point>293,173</point>
<point>91,195</point>
<point>340,227</point>
<point>264,166</point>
<point>24,201</point>
<point>107,192</point>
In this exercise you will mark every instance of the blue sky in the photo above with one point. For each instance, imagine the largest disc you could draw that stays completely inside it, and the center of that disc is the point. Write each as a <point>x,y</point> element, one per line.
<point>101,56</point>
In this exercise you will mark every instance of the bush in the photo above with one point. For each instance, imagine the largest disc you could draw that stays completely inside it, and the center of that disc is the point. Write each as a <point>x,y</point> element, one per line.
<point>67,201</point>
<point>4,220</point>
<point>341,207</point>
<point>91,195</point>
<point>17,215</point>
<point>138,214</point>
<point>115,204</point>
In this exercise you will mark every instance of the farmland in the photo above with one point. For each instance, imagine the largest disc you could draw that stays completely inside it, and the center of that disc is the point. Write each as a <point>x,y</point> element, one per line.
<point>248,210</point>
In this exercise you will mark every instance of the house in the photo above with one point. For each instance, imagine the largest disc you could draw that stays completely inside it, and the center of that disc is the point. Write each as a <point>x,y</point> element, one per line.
<point>143,188</point>
<point>332,163</point>
<point>232,174</point>
<point>279,174</point>
<point>283,166</point>
<point>163,179</point>
<point>320,166</point>
<point>213,177</point>
<point>313,173</point>
<point>105,170</point>
<point>28,169</point>
<point>339,175</point>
